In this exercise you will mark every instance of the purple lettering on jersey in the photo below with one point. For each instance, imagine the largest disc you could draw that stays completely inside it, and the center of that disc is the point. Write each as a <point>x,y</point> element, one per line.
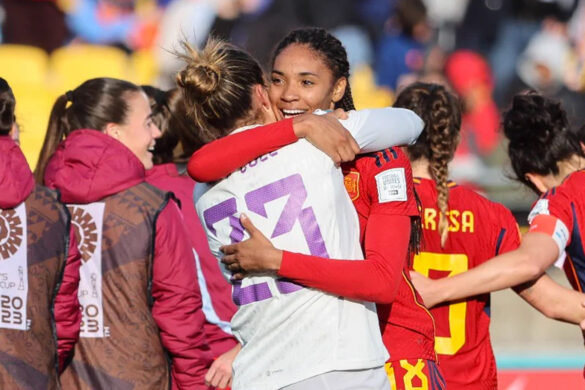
<point>220,211</point>
<point>291,186</point>
<point>287,287</point>
<point>292,211</point>
<point>254,162</point>
<point>249,294</point>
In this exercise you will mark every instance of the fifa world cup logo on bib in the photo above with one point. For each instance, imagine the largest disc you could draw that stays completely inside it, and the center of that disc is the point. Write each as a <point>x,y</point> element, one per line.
<point>13,268</point>
<point>10,233</point>
<point>85,232</point>
<point>87,221</point>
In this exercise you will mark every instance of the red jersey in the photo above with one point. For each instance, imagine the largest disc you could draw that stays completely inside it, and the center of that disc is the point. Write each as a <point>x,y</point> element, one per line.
<point>380,186</point>
<point>479,229</point>
<point>407,326</point>
<point>566,203</point>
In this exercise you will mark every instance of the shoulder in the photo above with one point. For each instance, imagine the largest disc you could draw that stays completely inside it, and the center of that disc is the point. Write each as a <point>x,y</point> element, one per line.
<point>380,161</point>
<point>488,211</point>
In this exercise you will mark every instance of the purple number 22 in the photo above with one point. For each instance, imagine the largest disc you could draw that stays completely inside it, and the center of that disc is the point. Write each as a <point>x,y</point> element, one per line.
<point>292,212</point>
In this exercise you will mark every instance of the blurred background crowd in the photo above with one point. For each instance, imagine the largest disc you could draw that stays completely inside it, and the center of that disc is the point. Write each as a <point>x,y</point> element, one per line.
<point>484,50</point>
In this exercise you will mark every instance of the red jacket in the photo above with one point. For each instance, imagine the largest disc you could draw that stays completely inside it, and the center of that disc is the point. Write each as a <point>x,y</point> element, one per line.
<point>89,166</point>
<point>16,184</point>
<point>218,306</point>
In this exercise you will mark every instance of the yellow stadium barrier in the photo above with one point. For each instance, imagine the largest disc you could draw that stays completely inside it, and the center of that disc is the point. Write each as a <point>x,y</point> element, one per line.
<point>23,65</point>
<point>74,64</point>
<point>33,107</point>
<point>365,92</point>
<point>144,68</point>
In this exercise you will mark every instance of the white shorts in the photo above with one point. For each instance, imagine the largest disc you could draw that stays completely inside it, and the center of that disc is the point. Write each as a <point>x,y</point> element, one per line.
<point>370,379</point>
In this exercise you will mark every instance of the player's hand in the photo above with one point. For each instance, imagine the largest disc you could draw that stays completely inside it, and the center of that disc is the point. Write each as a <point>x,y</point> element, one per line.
<point>253,255</point>
<point>426,288</point>
<point>327,134</point>
<point>219,374</point>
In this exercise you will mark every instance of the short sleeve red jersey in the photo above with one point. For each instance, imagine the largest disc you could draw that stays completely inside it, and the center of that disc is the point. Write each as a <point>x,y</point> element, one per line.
<point>381,183</point>
<point>479,229</point>
<point>566,203</point>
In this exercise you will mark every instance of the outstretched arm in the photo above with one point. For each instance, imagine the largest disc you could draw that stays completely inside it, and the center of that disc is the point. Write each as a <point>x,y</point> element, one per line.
<point>553,300</point>
<point>373,130</point>
<point>374,279</point>
<point>221,157</point>
<point>536,253</point>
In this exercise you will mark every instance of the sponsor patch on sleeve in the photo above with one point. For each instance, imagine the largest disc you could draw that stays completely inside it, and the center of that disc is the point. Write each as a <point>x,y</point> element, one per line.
<point>391,185</point>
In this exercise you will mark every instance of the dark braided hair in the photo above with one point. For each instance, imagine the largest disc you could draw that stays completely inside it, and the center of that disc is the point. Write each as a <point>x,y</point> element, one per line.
<point>539,136</point>
<point>441,113</point>
<point>331,51</point>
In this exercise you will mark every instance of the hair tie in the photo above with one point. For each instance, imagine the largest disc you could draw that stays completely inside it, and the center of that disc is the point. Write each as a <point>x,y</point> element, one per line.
<point>69,96</point>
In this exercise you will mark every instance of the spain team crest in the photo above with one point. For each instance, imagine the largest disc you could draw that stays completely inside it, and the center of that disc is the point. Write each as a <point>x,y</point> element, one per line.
<point>351,179</point>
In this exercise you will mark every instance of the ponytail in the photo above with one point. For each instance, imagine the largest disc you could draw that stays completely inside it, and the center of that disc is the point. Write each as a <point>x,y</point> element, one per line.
<point>57,130</point>
<point>92,105</point>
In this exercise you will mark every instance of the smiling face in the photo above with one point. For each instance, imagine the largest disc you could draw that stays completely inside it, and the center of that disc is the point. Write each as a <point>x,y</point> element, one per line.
<point>138,132</point>
<point>302,82</point>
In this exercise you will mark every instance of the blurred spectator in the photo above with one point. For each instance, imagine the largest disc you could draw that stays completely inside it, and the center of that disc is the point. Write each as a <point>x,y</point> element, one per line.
<point>182,19</point>
<point>521,19</point>
<point>259,26</point>
<point>401,50</point>
<point>340,18</point>
<point>471,78</point>
<point>544,66</point>
<point>113,22</point>
<point>38,23</point>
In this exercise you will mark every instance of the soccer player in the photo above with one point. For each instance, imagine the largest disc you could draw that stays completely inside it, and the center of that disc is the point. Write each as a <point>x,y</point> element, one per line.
<point>292,337</point>
<point>309,65</point>
<point>463,230</point>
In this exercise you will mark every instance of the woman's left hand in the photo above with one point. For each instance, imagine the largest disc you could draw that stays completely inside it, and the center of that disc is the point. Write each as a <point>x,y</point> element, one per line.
<point>256,254</point>
<point>427,289</point>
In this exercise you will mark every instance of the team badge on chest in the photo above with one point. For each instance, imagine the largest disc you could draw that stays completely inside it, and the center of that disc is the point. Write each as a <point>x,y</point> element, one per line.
<point>351,179</point>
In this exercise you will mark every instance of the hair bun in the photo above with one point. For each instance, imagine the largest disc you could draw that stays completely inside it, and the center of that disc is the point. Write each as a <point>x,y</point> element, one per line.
<point>200,79</point>
<point>533,120</point>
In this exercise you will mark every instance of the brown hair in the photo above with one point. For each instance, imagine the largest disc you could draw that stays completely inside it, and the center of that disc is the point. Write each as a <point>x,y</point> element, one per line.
<point>7,104</point>
<point>92,105</point>
<point>216,84</point>
<point>441,113</point>
<point>179,138</point>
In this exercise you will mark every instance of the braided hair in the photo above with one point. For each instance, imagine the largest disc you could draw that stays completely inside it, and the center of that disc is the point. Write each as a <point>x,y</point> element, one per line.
<point>441,113</point>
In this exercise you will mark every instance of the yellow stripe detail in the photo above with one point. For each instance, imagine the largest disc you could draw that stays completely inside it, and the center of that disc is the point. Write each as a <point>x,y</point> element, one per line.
<point>422,307</point>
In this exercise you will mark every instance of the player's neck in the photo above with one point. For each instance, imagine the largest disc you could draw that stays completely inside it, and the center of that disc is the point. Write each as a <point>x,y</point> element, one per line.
<point>420,168</point>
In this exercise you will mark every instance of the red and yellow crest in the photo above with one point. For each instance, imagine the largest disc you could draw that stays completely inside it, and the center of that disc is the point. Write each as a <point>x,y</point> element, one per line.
<point>351,179</point>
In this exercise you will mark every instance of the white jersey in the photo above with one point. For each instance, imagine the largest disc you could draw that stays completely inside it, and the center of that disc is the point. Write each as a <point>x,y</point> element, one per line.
<point>296,197</point>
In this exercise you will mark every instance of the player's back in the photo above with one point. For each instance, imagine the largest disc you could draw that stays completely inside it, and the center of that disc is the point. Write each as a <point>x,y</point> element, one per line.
<point>296,197</point>
<point>478,230</point>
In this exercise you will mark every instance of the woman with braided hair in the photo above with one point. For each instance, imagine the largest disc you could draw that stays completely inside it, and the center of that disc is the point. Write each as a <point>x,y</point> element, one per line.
<point>309,72</point>
<point>462,230</point>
